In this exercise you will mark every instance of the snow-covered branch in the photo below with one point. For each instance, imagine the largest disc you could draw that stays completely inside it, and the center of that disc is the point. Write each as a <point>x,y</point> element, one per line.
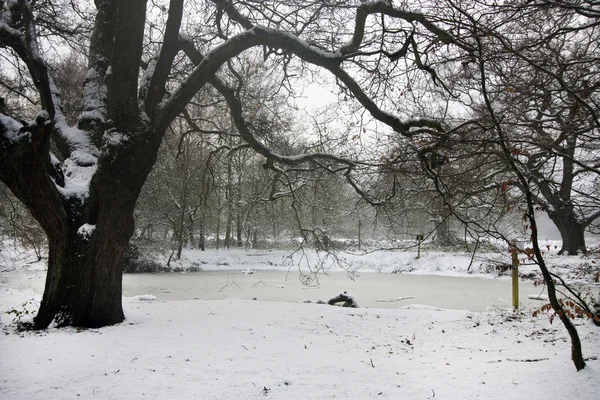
<point>25,44</point>
<point>256,35</point>
<point>385,7</point>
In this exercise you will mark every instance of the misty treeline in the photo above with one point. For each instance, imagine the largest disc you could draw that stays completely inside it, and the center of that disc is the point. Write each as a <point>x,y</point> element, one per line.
<point>209,189</point>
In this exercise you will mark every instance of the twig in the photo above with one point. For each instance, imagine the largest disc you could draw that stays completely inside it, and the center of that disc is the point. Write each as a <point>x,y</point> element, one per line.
<point>228,285</point>
<point>372,365</point>
<point>471,262</point>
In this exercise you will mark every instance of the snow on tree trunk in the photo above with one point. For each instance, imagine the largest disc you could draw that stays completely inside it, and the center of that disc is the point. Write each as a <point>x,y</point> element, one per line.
<point>87,216</point>
<point>83,283</point>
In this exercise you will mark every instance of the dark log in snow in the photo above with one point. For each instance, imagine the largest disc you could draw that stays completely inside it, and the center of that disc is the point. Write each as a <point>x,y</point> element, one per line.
<point>346,298</point>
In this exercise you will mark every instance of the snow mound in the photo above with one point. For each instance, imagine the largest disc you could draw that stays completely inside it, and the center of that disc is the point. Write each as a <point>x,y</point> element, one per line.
<point>144,297</point>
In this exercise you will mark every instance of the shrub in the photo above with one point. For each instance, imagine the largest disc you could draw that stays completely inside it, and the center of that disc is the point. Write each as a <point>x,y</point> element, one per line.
<point>135,261</point>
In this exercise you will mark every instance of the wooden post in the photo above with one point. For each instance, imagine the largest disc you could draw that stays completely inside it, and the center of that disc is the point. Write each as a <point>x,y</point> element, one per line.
<point>515,280</point>
<point>419,240</point>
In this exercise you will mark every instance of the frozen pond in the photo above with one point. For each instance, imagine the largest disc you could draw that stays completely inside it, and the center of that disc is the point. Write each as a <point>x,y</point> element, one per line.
<point>376,290</point>
<point>370,289</point>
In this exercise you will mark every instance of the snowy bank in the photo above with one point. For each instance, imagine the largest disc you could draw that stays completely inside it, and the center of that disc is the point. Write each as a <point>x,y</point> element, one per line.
<point>236,349</point>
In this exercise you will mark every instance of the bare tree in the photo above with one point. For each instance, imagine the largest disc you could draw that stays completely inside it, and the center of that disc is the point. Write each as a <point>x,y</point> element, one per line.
<point>544,90</point>
<point>531,122</point>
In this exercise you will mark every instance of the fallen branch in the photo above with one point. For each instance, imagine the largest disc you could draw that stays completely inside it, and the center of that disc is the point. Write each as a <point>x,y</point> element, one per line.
<point>538,297</point>
<point>515,360</point>
<point>346,298</point>
<point>528,360</point>
<point>394,300</point>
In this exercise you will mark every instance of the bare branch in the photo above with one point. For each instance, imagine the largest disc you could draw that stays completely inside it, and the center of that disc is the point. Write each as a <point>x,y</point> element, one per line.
<point>168,51</point>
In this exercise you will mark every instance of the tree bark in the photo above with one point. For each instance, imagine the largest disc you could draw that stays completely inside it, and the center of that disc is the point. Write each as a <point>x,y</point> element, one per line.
<point>88,236</point>
<point>442,230</point>
<point>572,232</point>
<point>84,279</point>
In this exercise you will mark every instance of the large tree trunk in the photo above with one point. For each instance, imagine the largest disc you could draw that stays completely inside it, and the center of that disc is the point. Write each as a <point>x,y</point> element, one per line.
<point>84,279</point>
<point>88,235</point>
<point>572,231</point>
<point>83,282</point>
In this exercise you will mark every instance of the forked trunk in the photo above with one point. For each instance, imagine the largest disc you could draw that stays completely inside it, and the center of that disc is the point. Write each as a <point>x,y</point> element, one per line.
<point>87,232</point>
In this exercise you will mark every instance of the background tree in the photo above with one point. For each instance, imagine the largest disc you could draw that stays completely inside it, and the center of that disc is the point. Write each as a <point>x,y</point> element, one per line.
<point>531,137</point>
<point>544,91</point>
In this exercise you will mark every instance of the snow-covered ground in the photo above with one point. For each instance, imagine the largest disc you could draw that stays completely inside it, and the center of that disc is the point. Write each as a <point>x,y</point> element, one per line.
<point>244,349</point>
<point>240,349</point>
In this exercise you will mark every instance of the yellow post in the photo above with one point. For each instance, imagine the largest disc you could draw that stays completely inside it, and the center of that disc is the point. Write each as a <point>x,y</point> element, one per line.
<point>515,280</point>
